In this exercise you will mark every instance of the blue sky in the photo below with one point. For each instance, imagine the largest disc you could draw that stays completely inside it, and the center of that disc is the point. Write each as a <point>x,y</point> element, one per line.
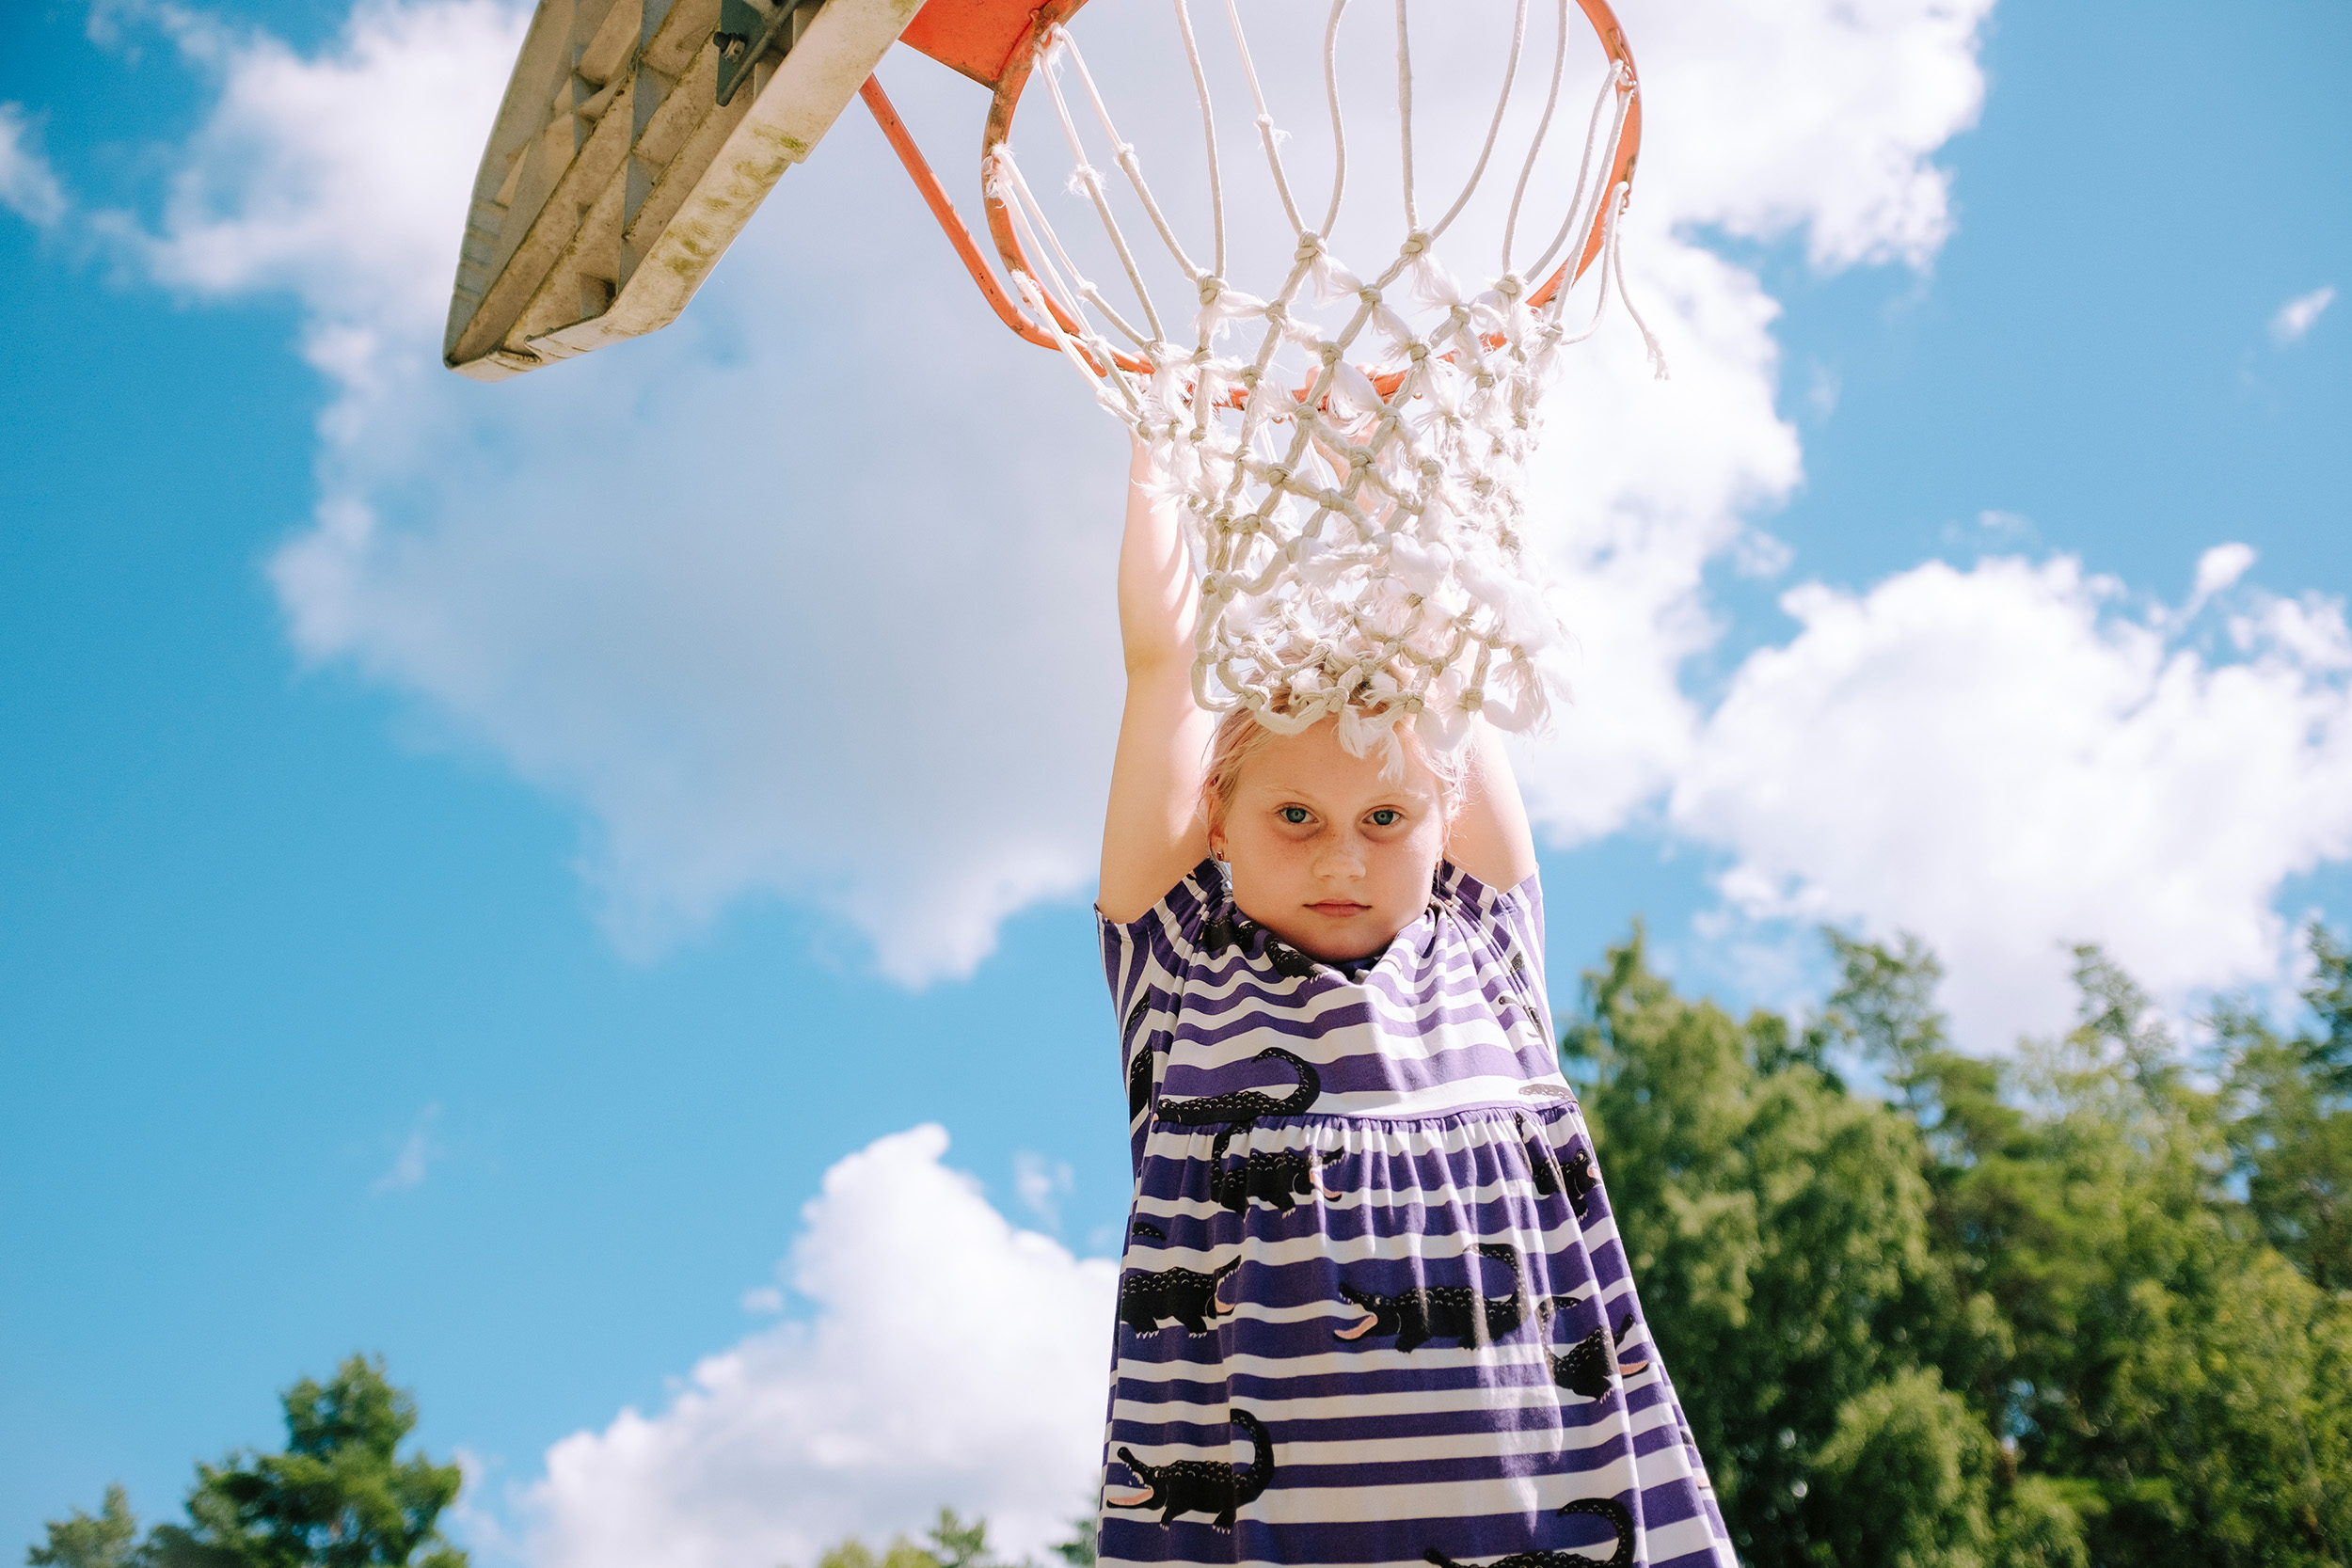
<point>344,1002</point>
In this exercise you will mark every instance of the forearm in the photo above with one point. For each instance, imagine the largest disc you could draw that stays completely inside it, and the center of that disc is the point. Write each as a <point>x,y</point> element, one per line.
<point>1158,599</point>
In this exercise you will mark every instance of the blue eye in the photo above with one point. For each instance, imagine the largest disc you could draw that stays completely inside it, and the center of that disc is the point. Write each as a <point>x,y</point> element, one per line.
<point>1387,816</point>
<point>1294,815</point>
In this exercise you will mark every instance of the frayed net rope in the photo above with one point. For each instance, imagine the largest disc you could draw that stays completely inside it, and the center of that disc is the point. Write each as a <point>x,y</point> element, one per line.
<point>1359,539</point>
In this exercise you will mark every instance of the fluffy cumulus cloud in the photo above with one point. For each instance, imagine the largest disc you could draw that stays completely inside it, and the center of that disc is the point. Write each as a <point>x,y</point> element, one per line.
<point>2011,759</point>
<point>748,590</point>
<point>28,187</point>
<point>879,1406</point>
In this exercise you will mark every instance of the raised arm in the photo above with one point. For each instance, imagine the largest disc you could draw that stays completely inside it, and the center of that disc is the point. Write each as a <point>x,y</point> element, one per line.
<point>1151,831</point>
<point>1490,838</point>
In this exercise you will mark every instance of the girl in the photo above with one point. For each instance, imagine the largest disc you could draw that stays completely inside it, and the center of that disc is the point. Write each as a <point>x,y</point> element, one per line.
<point>1373,1308</point>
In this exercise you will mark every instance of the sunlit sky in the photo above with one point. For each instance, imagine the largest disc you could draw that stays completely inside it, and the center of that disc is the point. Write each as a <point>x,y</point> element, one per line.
<point>457,897</point>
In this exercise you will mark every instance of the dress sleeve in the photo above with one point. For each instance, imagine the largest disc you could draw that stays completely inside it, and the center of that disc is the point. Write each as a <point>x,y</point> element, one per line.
<point>1511,920</point>
<point>1145,962</point>
<point>1146,954</point>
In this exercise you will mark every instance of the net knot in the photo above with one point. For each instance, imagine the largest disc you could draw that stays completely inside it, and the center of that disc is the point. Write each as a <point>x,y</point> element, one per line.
<point>1329,353</point>
<point>1510,285</point>
<point>1417,351</point>
<point>1310,246</point>
<point>1369,296</point>
<point>1211,286</point>
<point>1416,243</point>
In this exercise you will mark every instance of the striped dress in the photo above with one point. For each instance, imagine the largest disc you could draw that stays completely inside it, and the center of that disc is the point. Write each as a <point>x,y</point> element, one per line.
<point>1373,1307</point>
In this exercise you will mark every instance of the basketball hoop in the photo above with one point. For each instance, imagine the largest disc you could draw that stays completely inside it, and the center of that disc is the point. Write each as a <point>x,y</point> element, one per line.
<point>1352,488</point>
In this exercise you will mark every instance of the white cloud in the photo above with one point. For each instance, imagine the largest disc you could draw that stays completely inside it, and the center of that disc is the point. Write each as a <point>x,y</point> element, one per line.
<point>28,187</point>
<point>748,592</point>
<point>1819,116</point>
<point>2298,315</point>
<point>2216,569</point>
<point>2006,760</point>
<point>418,1151</point>
<point>1042,1184</point>
<point>342,178</point>
<point>951,1360</point>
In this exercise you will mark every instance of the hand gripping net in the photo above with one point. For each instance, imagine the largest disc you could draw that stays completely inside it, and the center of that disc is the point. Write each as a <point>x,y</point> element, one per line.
<point>1348,449</point>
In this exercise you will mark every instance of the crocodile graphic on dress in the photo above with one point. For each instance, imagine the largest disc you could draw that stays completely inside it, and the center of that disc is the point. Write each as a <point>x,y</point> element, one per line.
<point>1279,1177</point>
<point>1249,1104</point>
<point>1186,1295</point>
<point>1200,1485</point>
<point>1585,1369</point>
<point>1426,1312</point>
<point>1605,1508</point>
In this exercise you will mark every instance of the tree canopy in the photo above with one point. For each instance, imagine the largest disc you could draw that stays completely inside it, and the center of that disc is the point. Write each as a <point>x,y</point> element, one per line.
<point>2084,1307</point>
<point>338,1496</point>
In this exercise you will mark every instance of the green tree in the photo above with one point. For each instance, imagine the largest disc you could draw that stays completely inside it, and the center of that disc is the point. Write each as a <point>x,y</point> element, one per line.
<point>1911,1467</point>
<point>338,1496</point>
<point>950,1542</point>
<point>901,1553</point>
<point>1077,1547</point>
<point>2294,1141</point>
<point>109,1540</point>
<point>2078,1308</point>
<point>1778,1227</point>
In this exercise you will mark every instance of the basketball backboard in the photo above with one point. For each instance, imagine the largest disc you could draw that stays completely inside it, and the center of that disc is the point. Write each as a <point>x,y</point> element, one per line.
<point>638,137</point>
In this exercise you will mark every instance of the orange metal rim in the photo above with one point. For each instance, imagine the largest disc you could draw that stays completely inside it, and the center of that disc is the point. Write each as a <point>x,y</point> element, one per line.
<point>1015,79</point>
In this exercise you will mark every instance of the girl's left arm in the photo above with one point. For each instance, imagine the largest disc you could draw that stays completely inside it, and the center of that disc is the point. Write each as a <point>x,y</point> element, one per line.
<point>1490,837</point>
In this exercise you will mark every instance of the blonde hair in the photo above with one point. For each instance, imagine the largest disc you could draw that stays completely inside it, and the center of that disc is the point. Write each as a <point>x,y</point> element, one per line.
<point>1239,737</point>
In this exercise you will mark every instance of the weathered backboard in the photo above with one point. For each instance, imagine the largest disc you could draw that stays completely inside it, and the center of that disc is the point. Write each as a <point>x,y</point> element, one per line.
<point>616,176</point>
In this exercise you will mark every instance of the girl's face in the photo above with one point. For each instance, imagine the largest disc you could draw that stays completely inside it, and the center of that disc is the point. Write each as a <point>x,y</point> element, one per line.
<point>1324,852</point>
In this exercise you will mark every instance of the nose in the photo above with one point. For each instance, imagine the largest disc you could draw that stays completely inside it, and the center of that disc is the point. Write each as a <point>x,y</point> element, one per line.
<point>1341,857</point>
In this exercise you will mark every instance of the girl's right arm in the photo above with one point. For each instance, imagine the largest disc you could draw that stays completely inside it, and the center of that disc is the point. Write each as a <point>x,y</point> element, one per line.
<point>1153,831</point>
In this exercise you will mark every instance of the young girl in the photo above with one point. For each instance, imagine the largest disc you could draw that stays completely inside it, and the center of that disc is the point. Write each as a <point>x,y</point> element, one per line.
<point>1373,1308</point>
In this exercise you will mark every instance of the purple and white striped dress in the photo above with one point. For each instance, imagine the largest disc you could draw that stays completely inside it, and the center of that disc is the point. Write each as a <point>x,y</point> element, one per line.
<point>1373,1308</point>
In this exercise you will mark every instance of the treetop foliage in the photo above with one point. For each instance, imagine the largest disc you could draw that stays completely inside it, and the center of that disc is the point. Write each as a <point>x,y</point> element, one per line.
<point>338,1496</point>
<point>2087,1307</point>
<point>950,1542</point>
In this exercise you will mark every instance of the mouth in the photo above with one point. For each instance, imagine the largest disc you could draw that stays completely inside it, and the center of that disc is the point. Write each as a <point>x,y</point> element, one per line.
<point>1360,1329</point>
<point>1339,908</point>
<point>1132,1500</point>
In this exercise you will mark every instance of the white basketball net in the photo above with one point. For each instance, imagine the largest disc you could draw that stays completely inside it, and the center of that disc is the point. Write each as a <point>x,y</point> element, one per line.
<point>1359,554</point>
